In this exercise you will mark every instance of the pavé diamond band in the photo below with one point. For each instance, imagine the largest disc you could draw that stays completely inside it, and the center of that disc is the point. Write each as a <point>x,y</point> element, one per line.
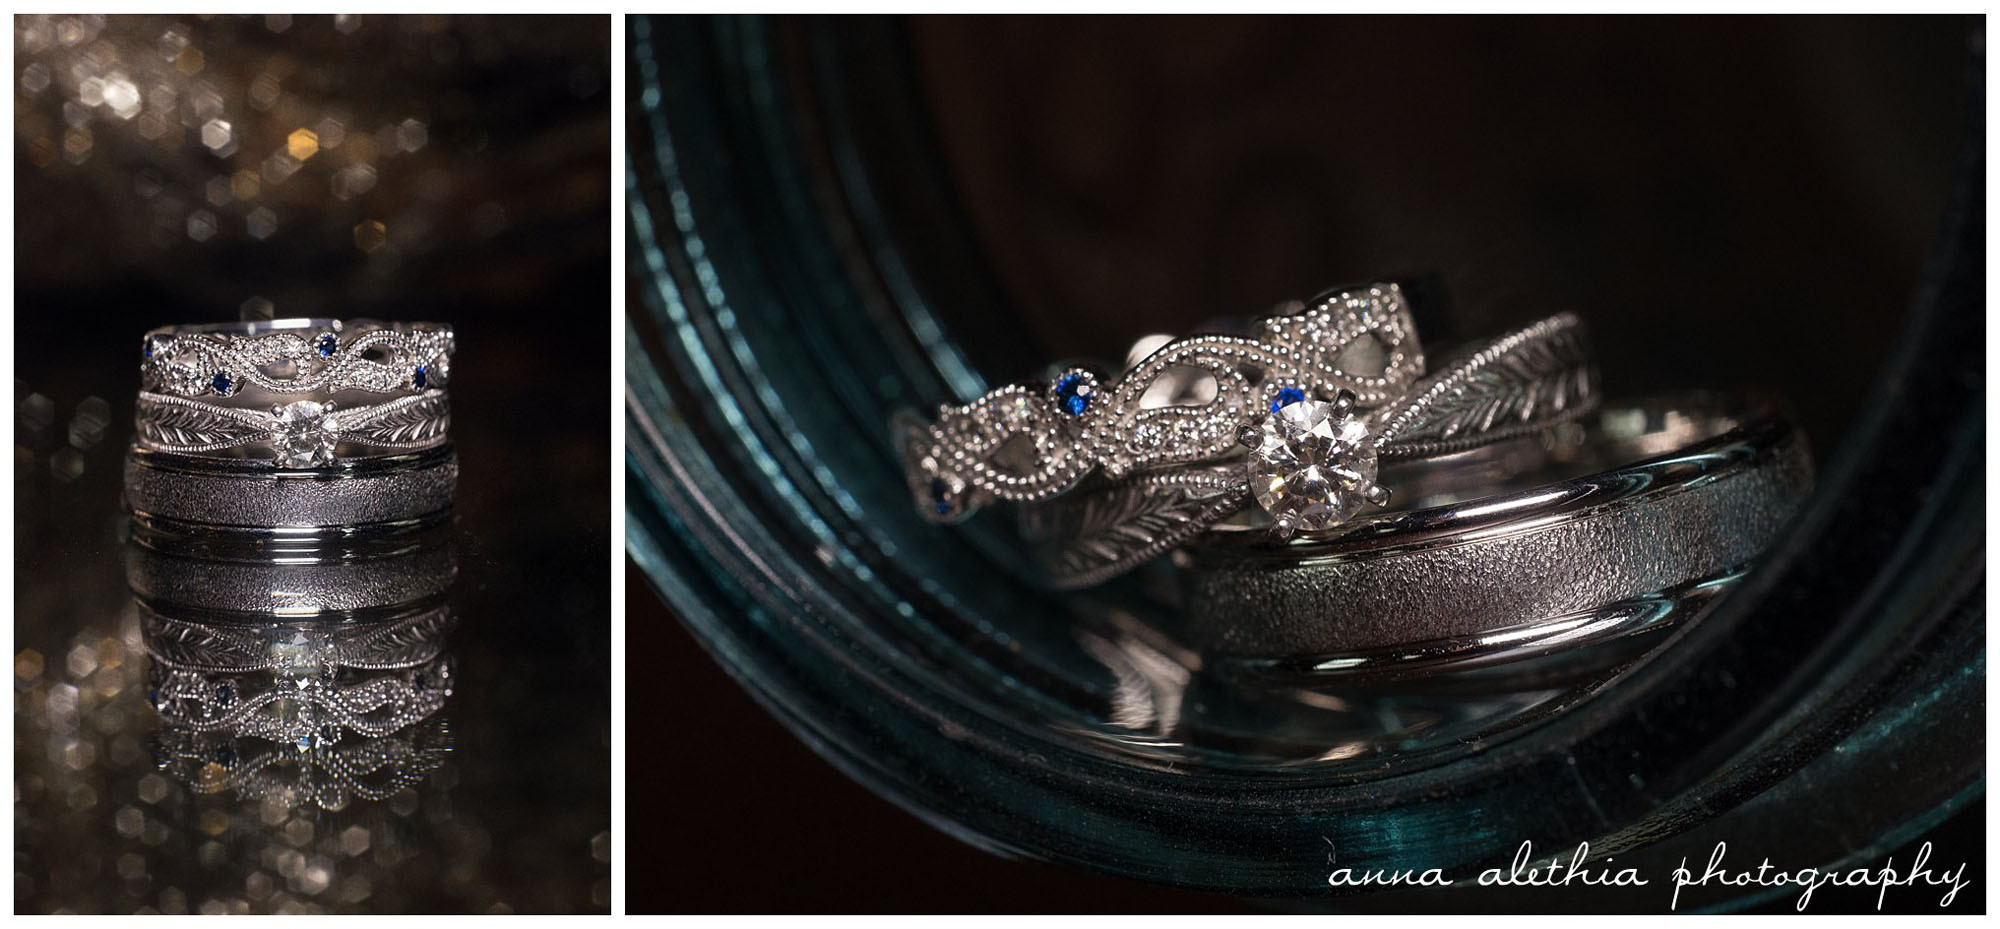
<point>293,356</point>
<point>1029,442</point>
<point>298,434</point>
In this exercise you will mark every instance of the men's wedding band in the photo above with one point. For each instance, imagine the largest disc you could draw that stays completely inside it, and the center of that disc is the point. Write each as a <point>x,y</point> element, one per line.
<point>390,493</point>
<point>1716,484</point>
<point>196,575</point>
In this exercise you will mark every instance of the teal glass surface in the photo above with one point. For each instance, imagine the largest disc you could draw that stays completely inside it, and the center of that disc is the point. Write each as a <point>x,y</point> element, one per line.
<point>784,303</point>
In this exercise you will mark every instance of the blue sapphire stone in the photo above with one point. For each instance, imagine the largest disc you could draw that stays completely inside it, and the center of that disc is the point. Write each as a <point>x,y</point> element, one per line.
<point>221,383</point>
<point>326,344</point>
<point>1073,394</point>
<point>305,741</point>
<point>1286,397</point>
<point>941,496</point>
<point>421,683</point>
<point>225,694</point>
<point>224,755</point>
<point>149,348</point>
<point>420,378</point>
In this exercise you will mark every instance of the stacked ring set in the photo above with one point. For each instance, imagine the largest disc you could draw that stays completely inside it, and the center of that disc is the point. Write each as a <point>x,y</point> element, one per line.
<point>303,681</point>
<point>1333,508</point>
<point>290,561</point>
<point>295,426</point>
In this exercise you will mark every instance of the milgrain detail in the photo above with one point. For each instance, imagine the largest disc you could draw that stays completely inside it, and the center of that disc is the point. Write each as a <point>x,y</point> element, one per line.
<point>192,364</point>
<point>406,422</point>
<point>266,707</point>
<point>1103,533</point>
<point>215,648</point>
<point>328,776</point>
<point>1029,442</point>
<point>177,424</point>
<point>1521,383</point>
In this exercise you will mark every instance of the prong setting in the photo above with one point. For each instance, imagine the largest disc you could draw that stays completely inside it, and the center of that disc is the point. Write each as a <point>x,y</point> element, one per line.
<point>1312,464</point>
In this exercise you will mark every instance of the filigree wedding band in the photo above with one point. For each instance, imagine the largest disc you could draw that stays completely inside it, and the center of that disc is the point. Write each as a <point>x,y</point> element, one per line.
<point>1029,442</point>
<point>275,707</point>
<point>292,356</point>
<point>325,775</point>
<point>293,428</point>
<point>314,709</point>
<point>1312,463</point>
<point>234,390</point>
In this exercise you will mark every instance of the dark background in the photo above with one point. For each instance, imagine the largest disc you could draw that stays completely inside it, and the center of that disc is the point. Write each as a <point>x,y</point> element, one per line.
<point>1725,200</point>
<point>468,185</point>
<point>1740,201</point>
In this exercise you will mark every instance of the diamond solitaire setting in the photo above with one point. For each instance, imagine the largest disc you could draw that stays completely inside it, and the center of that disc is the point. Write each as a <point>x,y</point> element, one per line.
<point>306,434</point>
<point>1312,464</point>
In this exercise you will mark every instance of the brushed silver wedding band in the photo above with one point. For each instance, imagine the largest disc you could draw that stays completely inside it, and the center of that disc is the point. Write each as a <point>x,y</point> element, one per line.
<point>373,495</point>
<point>1508,564</point>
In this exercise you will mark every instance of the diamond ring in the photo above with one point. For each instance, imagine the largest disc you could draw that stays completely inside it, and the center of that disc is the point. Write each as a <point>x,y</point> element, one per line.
<point>1311,463</point>
<point>1031,442</point>
<point>298,434</point>
<point>316,709</point>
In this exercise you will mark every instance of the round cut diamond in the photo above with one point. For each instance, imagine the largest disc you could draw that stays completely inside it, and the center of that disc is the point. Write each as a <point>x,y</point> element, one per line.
<point>305,437</point>
<point>1313,465</point>
<point>295,654</point>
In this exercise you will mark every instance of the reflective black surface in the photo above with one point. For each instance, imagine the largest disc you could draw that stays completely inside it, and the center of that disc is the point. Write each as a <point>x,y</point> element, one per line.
<point>485,206</point>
